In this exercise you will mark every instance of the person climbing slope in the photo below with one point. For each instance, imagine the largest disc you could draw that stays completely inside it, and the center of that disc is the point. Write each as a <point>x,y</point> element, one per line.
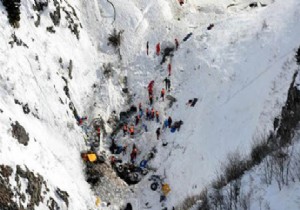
<point>152,113</point>
<point>148,114</point>
<point>150,100</point>
<point>98,133</point>
<point>147,48</point>
<point>157,133</point>
<point>169,122</point>
<point>157,116</point>
<point>125,129</point>
<point>157,48</point>
<point>137,119</point>
<point>162,94</point>
<point>168,84</point>
<point>169,69</point>
<point>131,130</point>
<point>133,154</point>
<point>176,43</point>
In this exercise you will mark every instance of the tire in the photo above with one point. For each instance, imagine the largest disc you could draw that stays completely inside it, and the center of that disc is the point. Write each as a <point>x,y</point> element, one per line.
<point>120,168</point>
<point>154,186</point>
<point>144,172</point>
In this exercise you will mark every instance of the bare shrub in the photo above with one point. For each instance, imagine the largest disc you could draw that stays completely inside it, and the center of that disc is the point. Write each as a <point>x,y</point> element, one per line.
<point>189,202</point>
<point>281,161</point>
<point>115,38</point>
<point>260,149</point>
<point>235,167</point>
<point>108,70</point>
<point>267,168</point>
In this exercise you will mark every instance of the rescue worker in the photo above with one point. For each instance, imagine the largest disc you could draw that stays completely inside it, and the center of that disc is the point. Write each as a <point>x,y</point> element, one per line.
<point>162,94</point>
<point>137,119</point>
<point>152,114</point>
<point>176,43</point>
<point>151,99</point>
<point>98,133</point>
<point>131,130</point>
<point>169,122</point>
<point>168,83</point>
<point>125,129</point>
<point>157,116</point>
<point>147,48</point>
<point>158,133</point>
<point>133,154</point>
<point>147,114</point>
<point>169,69</point>
<point>158,48</point>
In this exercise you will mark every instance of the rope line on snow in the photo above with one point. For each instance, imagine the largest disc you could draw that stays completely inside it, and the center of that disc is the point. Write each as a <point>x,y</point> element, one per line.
<point>256,77</point>
<point>114,10</point>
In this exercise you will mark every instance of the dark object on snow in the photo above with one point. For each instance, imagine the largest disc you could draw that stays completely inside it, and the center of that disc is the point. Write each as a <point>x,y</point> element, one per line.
<point>187,36</point>
<point>154,186</point>
<point>19,133</point>
<point>13,11</point>
<point>192,102</point>
<point>210,26</point>
<point>171,99</point>
<point>128,206</point>
<point>253,4</point>
<point>176,125</point>
<point>168,51</point>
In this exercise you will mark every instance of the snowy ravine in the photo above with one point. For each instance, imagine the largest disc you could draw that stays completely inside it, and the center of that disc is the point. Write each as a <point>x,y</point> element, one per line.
<point>240,71</point>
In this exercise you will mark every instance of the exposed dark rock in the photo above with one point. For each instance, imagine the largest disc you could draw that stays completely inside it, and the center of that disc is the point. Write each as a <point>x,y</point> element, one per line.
<point>297,56</point>
<point>70,68</point>
<point>52,204</point>
<point>26,109</point>
<point>55,16</point>
<point>72,19</point>
<point>19,133</point>
<point>5,171</point>
<point>13,11</point>
<point>290,114</point>
<point>34,186</point>
<point>6,196</point>
<point>39,5</point>
<point>50,29</point>
<point>17,41</point>
<point>63,195</point>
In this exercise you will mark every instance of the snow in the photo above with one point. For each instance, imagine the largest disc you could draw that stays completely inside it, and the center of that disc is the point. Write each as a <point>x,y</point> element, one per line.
<point>240,71</point>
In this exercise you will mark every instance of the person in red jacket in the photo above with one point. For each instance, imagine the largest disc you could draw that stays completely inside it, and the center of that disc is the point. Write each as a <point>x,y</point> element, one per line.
<point>169,69</point>
<point>133,154</point>
<point>98,133</point>
<point>162,94</point>
<point>158,48</point>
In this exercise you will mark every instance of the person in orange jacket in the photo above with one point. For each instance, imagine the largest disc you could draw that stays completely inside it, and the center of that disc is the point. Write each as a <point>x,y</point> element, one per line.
<point>158,48</point>
<point>157,116</point>
<point>162,94</point>
<point>131,130</point>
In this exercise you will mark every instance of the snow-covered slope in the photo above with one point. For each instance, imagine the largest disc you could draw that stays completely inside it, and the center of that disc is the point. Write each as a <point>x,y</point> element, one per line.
<point>239,70</point>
